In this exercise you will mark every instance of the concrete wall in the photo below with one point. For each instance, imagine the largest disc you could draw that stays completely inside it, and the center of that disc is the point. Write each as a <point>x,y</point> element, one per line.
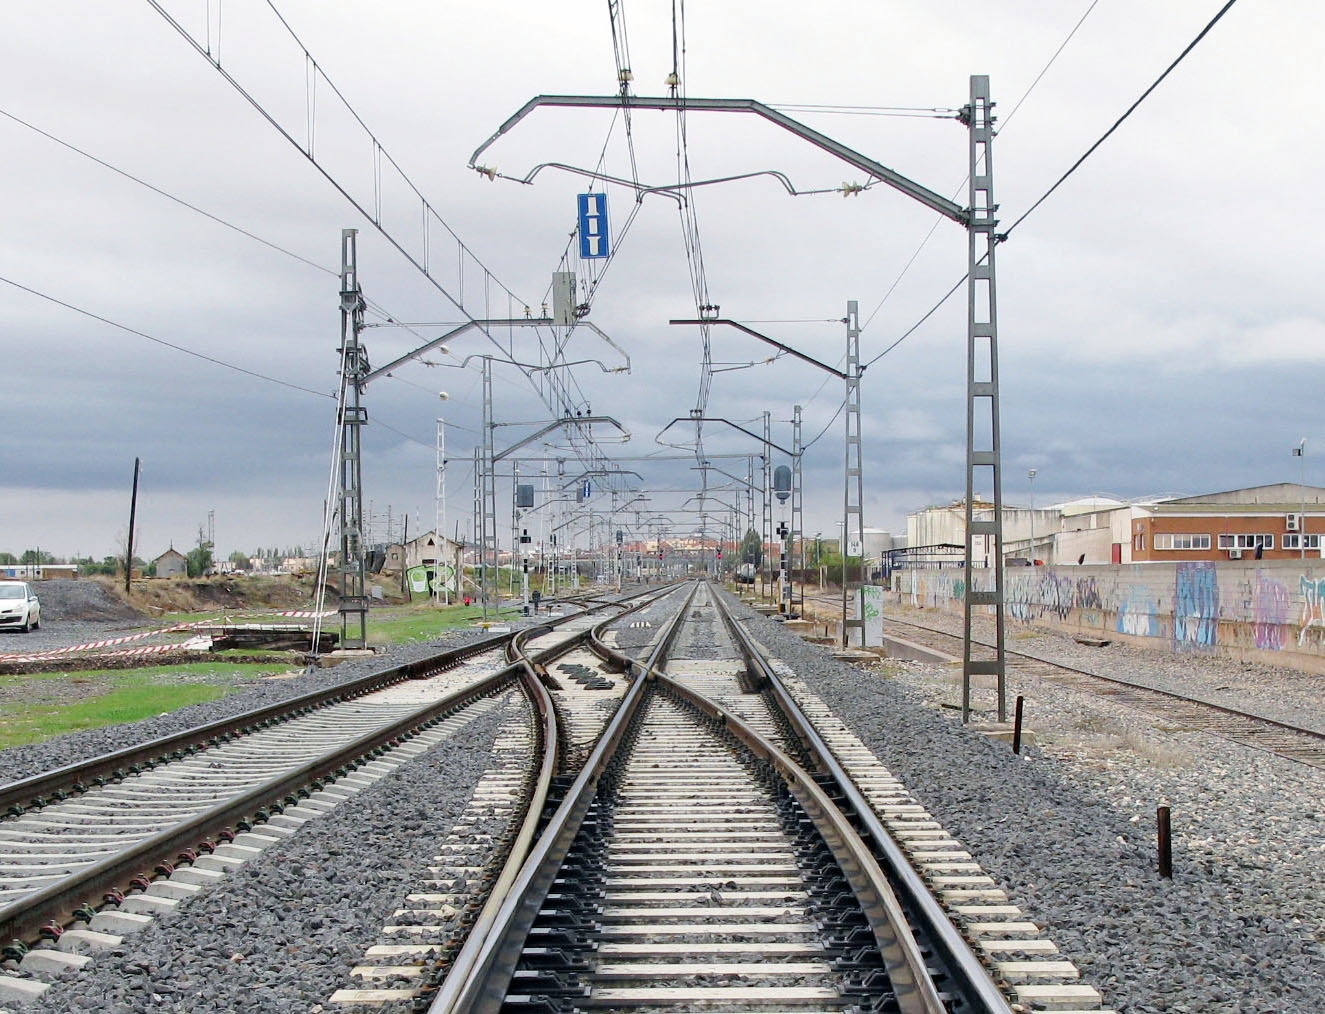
<point>1253,610</point>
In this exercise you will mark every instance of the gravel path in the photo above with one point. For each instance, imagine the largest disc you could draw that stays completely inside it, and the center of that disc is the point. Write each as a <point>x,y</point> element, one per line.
<point>1278,692</point>
<point>1067,828</point>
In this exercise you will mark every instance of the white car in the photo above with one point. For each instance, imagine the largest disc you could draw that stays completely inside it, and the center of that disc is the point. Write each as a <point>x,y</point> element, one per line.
<point>19,606</point>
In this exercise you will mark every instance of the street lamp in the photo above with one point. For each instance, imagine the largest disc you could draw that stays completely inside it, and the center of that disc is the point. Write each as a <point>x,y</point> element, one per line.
<point>1300,452</point>
<point>1030,474</point>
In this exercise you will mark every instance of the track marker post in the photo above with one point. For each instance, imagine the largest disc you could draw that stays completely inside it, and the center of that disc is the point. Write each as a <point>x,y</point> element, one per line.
<point>1165,843</point>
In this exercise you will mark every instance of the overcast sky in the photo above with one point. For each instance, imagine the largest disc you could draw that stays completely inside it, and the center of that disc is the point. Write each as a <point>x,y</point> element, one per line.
<point>1158,331</point>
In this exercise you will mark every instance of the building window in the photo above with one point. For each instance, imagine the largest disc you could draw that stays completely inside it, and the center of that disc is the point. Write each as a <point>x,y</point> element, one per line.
<point>1246,541</point>
<point>1292,541</point>
<point>1139,542</point>
<point>1174,541</point>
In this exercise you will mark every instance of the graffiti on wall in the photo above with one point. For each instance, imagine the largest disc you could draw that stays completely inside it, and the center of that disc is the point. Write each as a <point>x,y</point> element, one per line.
<point>1313,591</point>
<point>1269,613</point>
<point>1196,605</point>
<point>1032,594</point>
<point>1137,613</point>
<point>1187,604</point>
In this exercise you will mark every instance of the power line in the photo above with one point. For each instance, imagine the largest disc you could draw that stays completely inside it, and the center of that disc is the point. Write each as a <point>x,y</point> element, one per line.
<point>1073,168</point>
<point>164,193</point>
<point>916,326</point>
<point>161,341</point>
<point>1006,120</point>
<point>70,146</point>
<point>1119,122</point>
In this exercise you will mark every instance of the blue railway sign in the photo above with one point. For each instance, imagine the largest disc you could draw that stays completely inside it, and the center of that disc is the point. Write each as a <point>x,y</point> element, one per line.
<point>593,226</point>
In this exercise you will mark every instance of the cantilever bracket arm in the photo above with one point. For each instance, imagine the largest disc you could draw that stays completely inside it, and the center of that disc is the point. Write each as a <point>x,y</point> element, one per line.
<point>383,371</point>
<point>770,341</point>
<point>726,422</point>
<point>937,202</point>
<point>558,424</point>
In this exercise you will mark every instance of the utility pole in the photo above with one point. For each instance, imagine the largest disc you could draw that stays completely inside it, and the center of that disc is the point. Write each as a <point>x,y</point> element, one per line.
<point>797,520</point>
<point>485,484</point>
<point>766,534</point>
<point>1301,453</point>
<point>982,394</point>
<point>853,494</point>
<point>353,598</point>
<point>133,513</point>
<point>1030,477</point>
<point>441,589</point>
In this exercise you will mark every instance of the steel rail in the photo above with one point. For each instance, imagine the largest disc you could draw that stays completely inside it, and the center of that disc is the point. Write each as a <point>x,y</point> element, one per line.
<point>464,961</point>
<point>1156,691</point>
<point>482,989</point>
<point>901,954</point>
<point>959,958</point>
<point>59,903</point>
<point>17,796</point>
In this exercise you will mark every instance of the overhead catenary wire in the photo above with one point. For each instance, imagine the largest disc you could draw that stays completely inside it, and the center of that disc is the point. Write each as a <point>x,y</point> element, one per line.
<point>1072,169</point>
<point>197,209</point>
<point>1119,122</point>
<point>380,155</point>
<point>1006,120</point>
<point>163,342</point>
<point>213,360</point>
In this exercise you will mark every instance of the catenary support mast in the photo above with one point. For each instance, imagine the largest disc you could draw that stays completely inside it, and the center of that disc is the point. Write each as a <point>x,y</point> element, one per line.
<point>853,494</point>
<point>982,429</point>
<point>353,594</point>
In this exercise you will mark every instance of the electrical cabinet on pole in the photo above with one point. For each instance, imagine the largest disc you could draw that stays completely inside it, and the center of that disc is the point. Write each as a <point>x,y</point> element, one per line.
<point>354,359</point>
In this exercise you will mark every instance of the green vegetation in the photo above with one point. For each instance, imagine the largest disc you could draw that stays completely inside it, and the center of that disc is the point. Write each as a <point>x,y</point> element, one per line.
<point>41,705</point>
<point>420,622</point>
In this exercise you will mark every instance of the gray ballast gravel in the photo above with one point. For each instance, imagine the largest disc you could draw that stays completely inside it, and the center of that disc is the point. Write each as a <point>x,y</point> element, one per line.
<point>25,761</point>
<point>281,933</point>
<point>1068,830</point>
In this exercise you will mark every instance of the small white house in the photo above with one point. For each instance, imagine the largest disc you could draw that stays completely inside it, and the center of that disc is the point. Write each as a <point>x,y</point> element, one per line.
<point>171,563</point>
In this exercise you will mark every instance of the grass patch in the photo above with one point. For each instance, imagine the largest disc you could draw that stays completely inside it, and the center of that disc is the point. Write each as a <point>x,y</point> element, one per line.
<point>422,622</point>
<point>41,705</point>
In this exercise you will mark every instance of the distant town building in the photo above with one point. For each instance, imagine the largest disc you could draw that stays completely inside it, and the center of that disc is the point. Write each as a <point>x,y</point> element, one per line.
<point>37,571</point>
<point>1280,521</point>
<point>171,563</point>
<point>1273,522</point>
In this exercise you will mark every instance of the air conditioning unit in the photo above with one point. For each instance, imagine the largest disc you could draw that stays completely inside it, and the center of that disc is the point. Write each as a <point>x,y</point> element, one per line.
<point>1235,554</point>
<point>1294,522</point>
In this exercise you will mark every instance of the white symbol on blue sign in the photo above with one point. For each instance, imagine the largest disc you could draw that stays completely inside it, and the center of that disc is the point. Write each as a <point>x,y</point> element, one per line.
<point>593,226</point>
<point>585,490</point>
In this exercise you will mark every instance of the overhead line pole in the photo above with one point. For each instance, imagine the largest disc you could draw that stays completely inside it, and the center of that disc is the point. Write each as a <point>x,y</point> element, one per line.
<point>353,606</point>
<point>982,416</point>
<point>982,386</point>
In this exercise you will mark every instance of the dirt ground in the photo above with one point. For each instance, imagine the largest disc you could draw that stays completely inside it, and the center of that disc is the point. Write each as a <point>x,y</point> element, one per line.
<point>103,598</point>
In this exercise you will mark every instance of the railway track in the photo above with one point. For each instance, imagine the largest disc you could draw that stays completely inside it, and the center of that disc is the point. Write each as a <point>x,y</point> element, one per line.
<point>96,850</point>
<point>713,854</point>
<point>660,828</point>
<point>1179,712</point>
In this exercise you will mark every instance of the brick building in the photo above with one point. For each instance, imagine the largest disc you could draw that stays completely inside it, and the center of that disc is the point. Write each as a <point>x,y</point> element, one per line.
<point>1276,522</point>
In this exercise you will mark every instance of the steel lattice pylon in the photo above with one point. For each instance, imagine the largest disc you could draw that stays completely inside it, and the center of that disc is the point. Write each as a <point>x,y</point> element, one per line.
<point>853,495</point>
<point>353,595</point>
<point>766,536</point>
<point>797,521</point>
<point>982,429</point>
<point>485,480</point>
